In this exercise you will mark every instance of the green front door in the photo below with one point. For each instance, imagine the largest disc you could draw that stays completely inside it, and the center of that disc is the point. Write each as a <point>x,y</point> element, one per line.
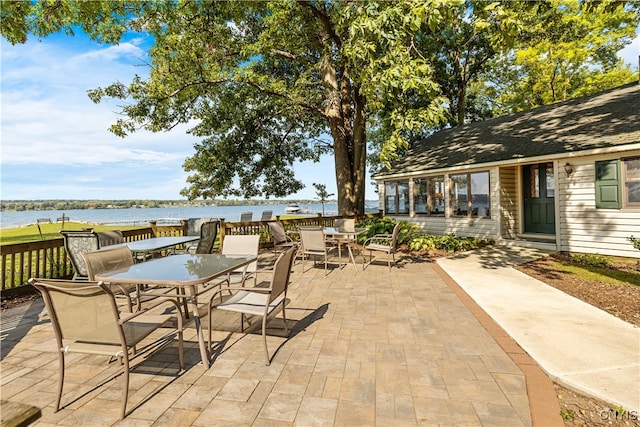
<point>539,198</point>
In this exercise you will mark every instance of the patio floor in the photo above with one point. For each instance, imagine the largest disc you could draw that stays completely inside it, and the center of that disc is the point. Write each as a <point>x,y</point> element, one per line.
<point>366,348</point>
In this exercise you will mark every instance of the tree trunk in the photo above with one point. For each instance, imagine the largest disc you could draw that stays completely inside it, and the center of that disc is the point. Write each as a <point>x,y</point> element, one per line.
<point>359,152</point>
<point>345,112</point>
<point>461,101</point>
<point>350,163</point>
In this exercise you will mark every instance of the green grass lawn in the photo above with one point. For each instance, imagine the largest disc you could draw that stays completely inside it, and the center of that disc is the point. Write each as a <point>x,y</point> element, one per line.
<point>600,274</point>
<point>31,233</point>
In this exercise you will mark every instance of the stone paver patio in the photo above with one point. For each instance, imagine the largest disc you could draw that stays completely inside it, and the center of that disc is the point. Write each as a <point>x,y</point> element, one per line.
<point>366,348</point>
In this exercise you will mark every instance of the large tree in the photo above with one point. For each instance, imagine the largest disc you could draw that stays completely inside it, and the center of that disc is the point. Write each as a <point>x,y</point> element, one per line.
<point>267,83</point>
<point>457,45</point>
<point>567,49</point>
<point>494,58</point>
<point>262,83</point>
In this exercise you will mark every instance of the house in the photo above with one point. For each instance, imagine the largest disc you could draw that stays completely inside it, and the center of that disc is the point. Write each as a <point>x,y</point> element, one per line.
<point>564,177</point>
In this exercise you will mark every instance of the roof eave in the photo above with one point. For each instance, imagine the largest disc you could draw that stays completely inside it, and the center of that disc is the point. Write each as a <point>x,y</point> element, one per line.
<point>512,162</point>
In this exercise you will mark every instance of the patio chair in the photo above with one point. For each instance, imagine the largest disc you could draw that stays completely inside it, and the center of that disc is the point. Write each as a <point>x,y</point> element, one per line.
<point>77,242</point>
<point>314,244</point>
<point>346,223</point>
<point>194,224</point>
<point>279,236</point>
<point>382,243</point>
<point>260,301</point>
<point>107,238</point>
<point>116,258</point>
<point>239,244</point>
<point>194,228</point>
<point>266,216</point>
<point>208,234</point>
<point>85,319</point>
<point>341,240</point>
<point>109,259</point>
<point>246,217</point>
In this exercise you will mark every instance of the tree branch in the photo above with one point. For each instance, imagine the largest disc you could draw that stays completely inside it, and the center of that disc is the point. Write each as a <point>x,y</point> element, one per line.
<point>324,20</point>
<point>290,55</point>
<point>309,107</point>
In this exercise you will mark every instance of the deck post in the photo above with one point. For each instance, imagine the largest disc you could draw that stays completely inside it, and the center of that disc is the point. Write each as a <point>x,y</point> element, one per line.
<point>154,228</point>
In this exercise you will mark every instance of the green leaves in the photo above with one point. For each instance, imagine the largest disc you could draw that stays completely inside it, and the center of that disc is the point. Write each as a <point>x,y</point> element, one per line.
<point>568,49</point>
<point>266,83</point>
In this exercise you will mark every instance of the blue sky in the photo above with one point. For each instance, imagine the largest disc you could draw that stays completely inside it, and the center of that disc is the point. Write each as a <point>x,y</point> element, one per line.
<point>55,143</point>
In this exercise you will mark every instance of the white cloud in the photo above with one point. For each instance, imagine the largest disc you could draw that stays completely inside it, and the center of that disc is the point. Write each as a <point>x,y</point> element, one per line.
<point>631,53</point>
<point>111,53</point>
<point>55,142</point>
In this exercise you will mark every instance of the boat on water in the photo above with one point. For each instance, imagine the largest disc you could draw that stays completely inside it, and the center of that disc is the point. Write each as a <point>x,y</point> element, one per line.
<point>293,208</point>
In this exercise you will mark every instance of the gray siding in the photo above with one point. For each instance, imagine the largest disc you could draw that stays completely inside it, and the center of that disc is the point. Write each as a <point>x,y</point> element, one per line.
<point>585,229</point>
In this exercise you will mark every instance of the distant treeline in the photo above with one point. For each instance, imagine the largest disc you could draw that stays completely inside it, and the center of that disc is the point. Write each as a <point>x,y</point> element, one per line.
<point>45,205</point>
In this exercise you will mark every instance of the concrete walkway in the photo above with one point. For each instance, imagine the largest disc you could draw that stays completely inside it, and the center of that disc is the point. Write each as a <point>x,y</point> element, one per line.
<point>576,344</point>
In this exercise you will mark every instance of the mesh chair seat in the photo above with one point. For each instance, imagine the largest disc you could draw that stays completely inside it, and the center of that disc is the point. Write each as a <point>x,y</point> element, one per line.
<point>86,319</point>
<point>258,301</point>
<point>315,244</point>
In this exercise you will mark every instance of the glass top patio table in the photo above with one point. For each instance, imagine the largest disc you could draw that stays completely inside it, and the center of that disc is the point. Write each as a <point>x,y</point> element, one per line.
<point>155,244</point>
<point>187,271</point>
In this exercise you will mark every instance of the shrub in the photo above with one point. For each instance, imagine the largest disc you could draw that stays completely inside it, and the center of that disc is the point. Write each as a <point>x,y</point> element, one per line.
<point>447,243</point>
<point>635,241</point>
<point>591,260</point>
<point>385,226</point>
<point>424,242</point>
<point>416,241</point>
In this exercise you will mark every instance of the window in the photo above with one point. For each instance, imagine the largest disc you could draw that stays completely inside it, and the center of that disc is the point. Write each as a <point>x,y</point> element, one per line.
<point>396,197</point>
<point>470,195</point>
<point>631,189</point>
<point>550,181</point>
<point>618,183</point>
<point>429,195</point>
<point>549,188</point>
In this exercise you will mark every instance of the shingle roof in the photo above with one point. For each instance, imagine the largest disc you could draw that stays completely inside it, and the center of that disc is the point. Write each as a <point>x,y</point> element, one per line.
<point>607,119</point>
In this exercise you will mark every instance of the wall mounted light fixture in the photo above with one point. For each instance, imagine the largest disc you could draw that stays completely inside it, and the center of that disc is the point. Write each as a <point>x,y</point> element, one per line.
<point>568,169</point>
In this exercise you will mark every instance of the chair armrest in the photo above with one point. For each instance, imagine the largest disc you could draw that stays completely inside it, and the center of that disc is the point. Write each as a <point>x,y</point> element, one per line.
<point>236,289</point>
<point>244,288</point>
<point>378,238</point>
<point>148,307</point>
<point>383,235</point>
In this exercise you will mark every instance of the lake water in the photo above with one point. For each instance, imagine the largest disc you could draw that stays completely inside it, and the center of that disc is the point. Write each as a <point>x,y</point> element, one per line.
<point>141,216</point>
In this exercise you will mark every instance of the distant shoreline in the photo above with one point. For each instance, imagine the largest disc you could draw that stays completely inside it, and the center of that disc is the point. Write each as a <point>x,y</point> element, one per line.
<point>67,204</point>
<point>135,216</point>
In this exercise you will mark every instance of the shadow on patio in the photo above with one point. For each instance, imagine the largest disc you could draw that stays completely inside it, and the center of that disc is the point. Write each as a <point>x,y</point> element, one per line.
<point>368,347</point>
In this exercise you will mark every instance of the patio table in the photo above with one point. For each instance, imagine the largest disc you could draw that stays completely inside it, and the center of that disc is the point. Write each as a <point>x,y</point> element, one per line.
<point>186,271</point>
<point>149,246</point>
<point>350,234</point>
